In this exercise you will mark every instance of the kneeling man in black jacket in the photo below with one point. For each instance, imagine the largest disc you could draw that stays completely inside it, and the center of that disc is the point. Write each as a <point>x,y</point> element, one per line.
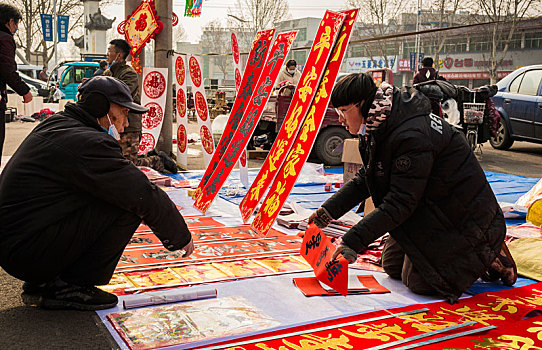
<point>430,193</point>
<point>70,202</point>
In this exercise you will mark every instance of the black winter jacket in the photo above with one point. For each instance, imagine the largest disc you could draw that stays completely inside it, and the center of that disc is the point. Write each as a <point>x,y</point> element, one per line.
<point>69,161</point>
<point>8,68</point>
<point>430,194</point>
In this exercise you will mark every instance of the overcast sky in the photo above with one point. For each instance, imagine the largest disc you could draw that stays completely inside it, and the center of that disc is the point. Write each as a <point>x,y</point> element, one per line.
<point>217,9</point>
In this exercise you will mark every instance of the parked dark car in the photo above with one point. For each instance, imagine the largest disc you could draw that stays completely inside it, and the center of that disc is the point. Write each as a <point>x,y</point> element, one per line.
<point>519,102</point>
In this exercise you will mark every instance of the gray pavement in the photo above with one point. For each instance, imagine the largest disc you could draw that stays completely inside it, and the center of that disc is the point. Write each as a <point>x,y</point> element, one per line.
<point>26,327</point>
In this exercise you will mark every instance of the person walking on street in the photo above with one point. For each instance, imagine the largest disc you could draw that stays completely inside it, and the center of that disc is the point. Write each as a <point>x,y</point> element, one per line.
<point>426,72</point>
<point>9,22</point>
<point>68,211</point>
<point>43,74</point>
<point>429,191</point>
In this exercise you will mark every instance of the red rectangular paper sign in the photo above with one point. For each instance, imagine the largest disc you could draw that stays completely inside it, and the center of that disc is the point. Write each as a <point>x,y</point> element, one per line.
<point>273,65</point>
<point>290,169</point>
<point>317,249</point>
<point>253,70</point>
<point>299,106</point>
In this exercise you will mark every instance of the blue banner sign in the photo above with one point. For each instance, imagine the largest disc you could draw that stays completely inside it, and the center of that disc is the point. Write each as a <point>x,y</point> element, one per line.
<point>62,26</point>
<point>47,26</point>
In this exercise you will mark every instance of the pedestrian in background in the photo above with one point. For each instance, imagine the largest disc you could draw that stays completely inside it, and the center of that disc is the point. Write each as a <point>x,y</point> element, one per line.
<point>9,22</point>
<point>101,70</point>
<point>426,72</point>
<point>43,74</point>
<point>288,75</point>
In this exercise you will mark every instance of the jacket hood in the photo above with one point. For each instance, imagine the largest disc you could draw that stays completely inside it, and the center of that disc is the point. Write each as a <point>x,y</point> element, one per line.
<point>407,103</point>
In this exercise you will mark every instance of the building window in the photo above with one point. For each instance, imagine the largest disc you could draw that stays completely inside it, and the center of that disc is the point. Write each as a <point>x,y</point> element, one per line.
<point>300,56</point>
<point>301,34</point>
<point>533,40</point>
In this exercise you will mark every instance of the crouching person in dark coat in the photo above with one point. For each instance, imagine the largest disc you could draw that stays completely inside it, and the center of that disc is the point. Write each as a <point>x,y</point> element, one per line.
<point>70,202</point>
<point>430,193</point>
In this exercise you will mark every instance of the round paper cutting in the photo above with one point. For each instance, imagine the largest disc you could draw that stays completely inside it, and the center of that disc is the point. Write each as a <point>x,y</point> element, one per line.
<point>243,158</point>
<point>235,48</point>
<point>180,72</point>
<point>237,79</point>
<point>201,106</point>
<point>206,139</point>
<point>153,117</point>
<point>195,71</point>
<point>181,138</point>
<point>181,103</point>
<point>154,84</point>
<point>147,143</point>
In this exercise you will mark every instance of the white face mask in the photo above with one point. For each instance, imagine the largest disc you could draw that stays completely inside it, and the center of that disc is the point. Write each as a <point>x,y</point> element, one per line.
<point>112,131</point>
<point>291,71</point>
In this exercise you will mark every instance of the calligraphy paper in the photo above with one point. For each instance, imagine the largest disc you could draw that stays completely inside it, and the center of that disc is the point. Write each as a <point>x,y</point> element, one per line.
<point>259,49</point>
<point>504,309</point>
<point>249,121</point>
<point>317,249</point>
<point>299,106</point>
<point>290,169</point>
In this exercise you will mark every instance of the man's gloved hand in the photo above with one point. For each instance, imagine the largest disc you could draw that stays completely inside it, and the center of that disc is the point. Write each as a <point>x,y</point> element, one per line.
<point>348,253</point>
<point>320,217</point>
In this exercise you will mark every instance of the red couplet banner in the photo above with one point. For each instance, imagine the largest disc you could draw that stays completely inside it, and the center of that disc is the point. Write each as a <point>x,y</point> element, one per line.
<point>290,169</point>
<point>253,70</point>
<point>310,79</point>
<point>317,249</point>
<point>249,121</point>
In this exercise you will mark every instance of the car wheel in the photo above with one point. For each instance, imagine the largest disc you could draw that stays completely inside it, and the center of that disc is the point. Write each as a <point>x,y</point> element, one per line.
<point>328,140</point>
<point>502,140</point>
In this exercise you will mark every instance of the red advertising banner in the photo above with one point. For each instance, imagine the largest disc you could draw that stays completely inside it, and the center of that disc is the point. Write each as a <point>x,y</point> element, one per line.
<point>249,121</point>
<point>317,249</point>
<point>291,168</point>
<point>258,53</point>
<point>299,106</point>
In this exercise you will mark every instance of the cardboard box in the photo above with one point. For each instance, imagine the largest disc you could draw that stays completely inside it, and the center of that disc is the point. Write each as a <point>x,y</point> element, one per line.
<point>351,159</point>
<point>352,163</point>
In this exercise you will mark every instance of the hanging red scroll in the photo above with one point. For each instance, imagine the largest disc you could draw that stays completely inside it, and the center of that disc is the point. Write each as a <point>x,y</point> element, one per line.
<point>181,108</point>
<point>154,97</point>
<point>249,121</point>
<point>299,106</point>
<point>254,67</point>
<point>291,168</point>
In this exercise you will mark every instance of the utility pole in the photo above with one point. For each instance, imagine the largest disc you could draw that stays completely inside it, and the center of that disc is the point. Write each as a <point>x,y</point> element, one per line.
<point>55,32</point>
<point>417,42</point>
<point>162,45</point>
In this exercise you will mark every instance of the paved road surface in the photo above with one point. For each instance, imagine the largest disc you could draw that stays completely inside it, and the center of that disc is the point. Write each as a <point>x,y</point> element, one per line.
<point>31,328</point>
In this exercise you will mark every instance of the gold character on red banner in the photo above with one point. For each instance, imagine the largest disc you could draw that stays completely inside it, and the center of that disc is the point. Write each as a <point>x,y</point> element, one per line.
<point>425,322</point>
<point>306,89</point>
<point>381,332</point>
<point>324,42</point>
<point>279,150</point>
<point>308,124</point>
<point>480,316</point>
<point>272,203</point>
<point>255,192</point>
<point>293,159</point>
<point>503,304</point>
<point>291,124</point>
